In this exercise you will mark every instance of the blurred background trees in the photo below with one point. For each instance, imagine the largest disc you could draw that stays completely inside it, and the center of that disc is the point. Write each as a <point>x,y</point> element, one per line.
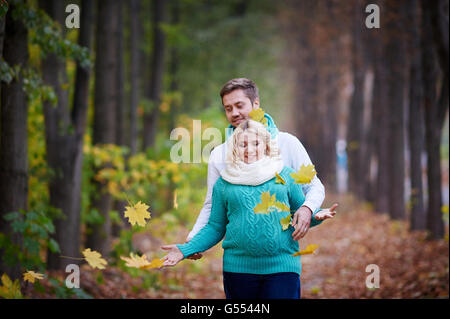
<point>86,113</point>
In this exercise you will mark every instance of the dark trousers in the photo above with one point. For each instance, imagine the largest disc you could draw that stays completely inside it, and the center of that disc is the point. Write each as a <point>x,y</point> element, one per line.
<point>283,285</point>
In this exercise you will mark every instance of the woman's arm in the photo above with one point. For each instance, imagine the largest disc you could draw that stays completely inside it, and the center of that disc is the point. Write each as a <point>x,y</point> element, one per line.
<point>215,229</point>
<point>208,236</point>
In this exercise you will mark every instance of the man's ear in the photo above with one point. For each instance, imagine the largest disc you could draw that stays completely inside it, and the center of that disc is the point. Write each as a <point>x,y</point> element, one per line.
<point>256,103</point>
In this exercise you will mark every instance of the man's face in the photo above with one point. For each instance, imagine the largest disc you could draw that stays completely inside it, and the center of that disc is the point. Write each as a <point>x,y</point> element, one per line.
<point>237,106</point>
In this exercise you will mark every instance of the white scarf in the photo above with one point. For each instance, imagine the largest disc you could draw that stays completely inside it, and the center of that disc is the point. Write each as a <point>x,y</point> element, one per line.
<point>252,174</point>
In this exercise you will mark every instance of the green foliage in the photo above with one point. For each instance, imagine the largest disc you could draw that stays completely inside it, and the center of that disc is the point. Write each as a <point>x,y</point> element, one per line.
<point>46,33</point>
<point>35,88</point>
<point>3,8</point>
<point>218,41</point>
<point>62,292</point>
<point>33,228</point>
<point>8,73</point>
<point>47,36</point>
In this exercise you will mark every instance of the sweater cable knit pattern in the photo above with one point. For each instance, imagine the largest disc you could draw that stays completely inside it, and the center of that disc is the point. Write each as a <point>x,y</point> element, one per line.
<point>253,243</point>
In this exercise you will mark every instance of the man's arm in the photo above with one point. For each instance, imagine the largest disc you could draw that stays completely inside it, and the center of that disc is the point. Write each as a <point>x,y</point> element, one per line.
<point>213,176</point>
<point>314,191</point>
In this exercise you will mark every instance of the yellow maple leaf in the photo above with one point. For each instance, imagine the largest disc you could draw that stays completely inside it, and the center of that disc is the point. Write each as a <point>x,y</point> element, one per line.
<point>31,276</point>
<point>282,206</point>
<point>279,179</point>
<point>258,115</point>
<point>10,289</point>
<point>137,214</point>
<point>285,222</point>
<point>310,249</point>
<point>304,175</point>
<point>267,201</point>
<point>155,263</point>
<point>94,258</point>
<point>136,261</point>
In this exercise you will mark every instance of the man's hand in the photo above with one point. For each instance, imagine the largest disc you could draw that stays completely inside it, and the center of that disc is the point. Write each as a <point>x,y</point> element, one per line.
<point>194,256</point>
<point>301,222</point>
<point>326,213</point>
<point>173,257</point>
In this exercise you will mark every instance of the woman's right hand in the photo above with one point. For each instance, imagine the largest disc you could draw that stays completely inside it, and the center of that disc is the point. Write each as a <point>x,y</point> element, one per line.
<point>173,257</point>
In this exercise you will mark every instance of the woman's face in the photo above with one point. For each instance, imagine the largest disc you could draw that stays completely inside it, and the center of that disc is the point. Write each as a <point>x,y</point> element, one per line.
<point>251,147</point>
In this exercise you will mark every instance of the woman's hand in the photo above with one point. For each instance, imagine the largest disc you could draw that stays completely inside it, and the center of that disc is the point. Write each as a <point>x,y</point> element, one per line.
<point>326,213</point>
<point>173,257</point>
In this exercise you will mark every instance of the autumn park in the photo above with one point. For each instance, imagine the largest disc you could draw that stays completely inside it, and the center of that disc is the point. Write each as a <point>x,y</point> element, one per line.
<point>128,169</point>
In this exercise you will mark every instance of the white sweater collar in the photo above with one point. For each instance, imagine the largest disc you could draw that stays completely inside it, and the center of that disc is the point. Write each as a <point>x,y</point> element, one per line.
<point>253,174</point>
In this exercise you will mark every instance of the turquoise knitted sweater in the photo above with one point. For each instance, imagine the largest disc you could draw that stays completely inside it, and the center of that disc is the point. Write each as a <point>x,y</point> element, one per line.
<point>253,243</point>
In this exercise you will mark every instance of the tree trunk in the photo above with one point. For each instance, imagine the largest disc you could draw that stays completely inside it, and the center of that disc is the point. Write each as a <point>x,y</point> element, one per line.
<point>151,120</point>
<point>380,113</point>
<point>135,31</point>
<point>80,103</point>
<point>433,130</point>
<point>416,123</point>
<point>99,235</point>
<point>121,114</point>
<point>307,81</point>
<point>14,135</point>
<point>395,57</point>
<point>173,70</point>
<point>356,110</point>
<point>2,34</point>
<point>61,147</point>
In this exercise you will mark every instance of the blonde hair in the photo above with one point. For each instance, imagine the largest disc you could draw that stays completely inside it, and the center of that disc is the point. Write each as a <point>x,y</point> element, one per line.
<point>257,128</point>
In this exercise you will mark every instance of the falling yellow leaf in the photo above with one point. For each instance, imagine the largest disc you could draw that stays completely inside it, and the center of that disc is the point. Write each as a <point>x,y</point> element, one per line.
<point>94,258</point>
<point>269,204</point>
<point>142,262</point>
<point>304,175</point>
<point>136,261</point>
<point>137,214</point>
<point>285,222</point>
<point>267,201</point>
<point>279,179</point>
<point>175,202</point>
<point>31,276</point>
<point>9,289</point>
<point>282,206</point>
<point>258,115</point>
<point>155,263</point>
<point>308,250</point>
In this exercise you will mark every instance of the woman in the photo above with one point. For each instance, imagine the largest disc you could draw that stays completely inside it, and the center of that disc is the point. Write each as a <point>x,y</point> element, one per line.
<point>247,208</point>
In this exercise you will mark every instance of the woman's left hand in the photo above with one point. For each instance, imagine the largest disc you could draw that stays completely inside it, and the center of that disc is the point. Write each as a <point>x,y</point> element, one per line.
<point>326,213</point>
<point>173,257</point>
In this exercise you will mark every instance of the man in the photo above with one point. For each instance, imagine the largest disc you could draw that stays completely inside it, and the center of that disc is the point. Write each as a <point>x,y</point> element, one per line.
<point>239,97</point>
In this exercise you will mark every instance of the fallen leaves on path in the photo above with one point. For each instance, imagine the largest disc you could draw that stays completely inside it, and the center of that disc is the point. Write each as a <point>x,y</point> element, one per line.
<point>410,266</point>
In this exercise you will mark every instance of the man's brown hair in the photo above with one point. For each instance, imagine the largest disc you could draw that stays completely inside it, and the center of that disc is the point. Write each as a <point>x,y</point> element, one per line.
<point>248,86</point>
